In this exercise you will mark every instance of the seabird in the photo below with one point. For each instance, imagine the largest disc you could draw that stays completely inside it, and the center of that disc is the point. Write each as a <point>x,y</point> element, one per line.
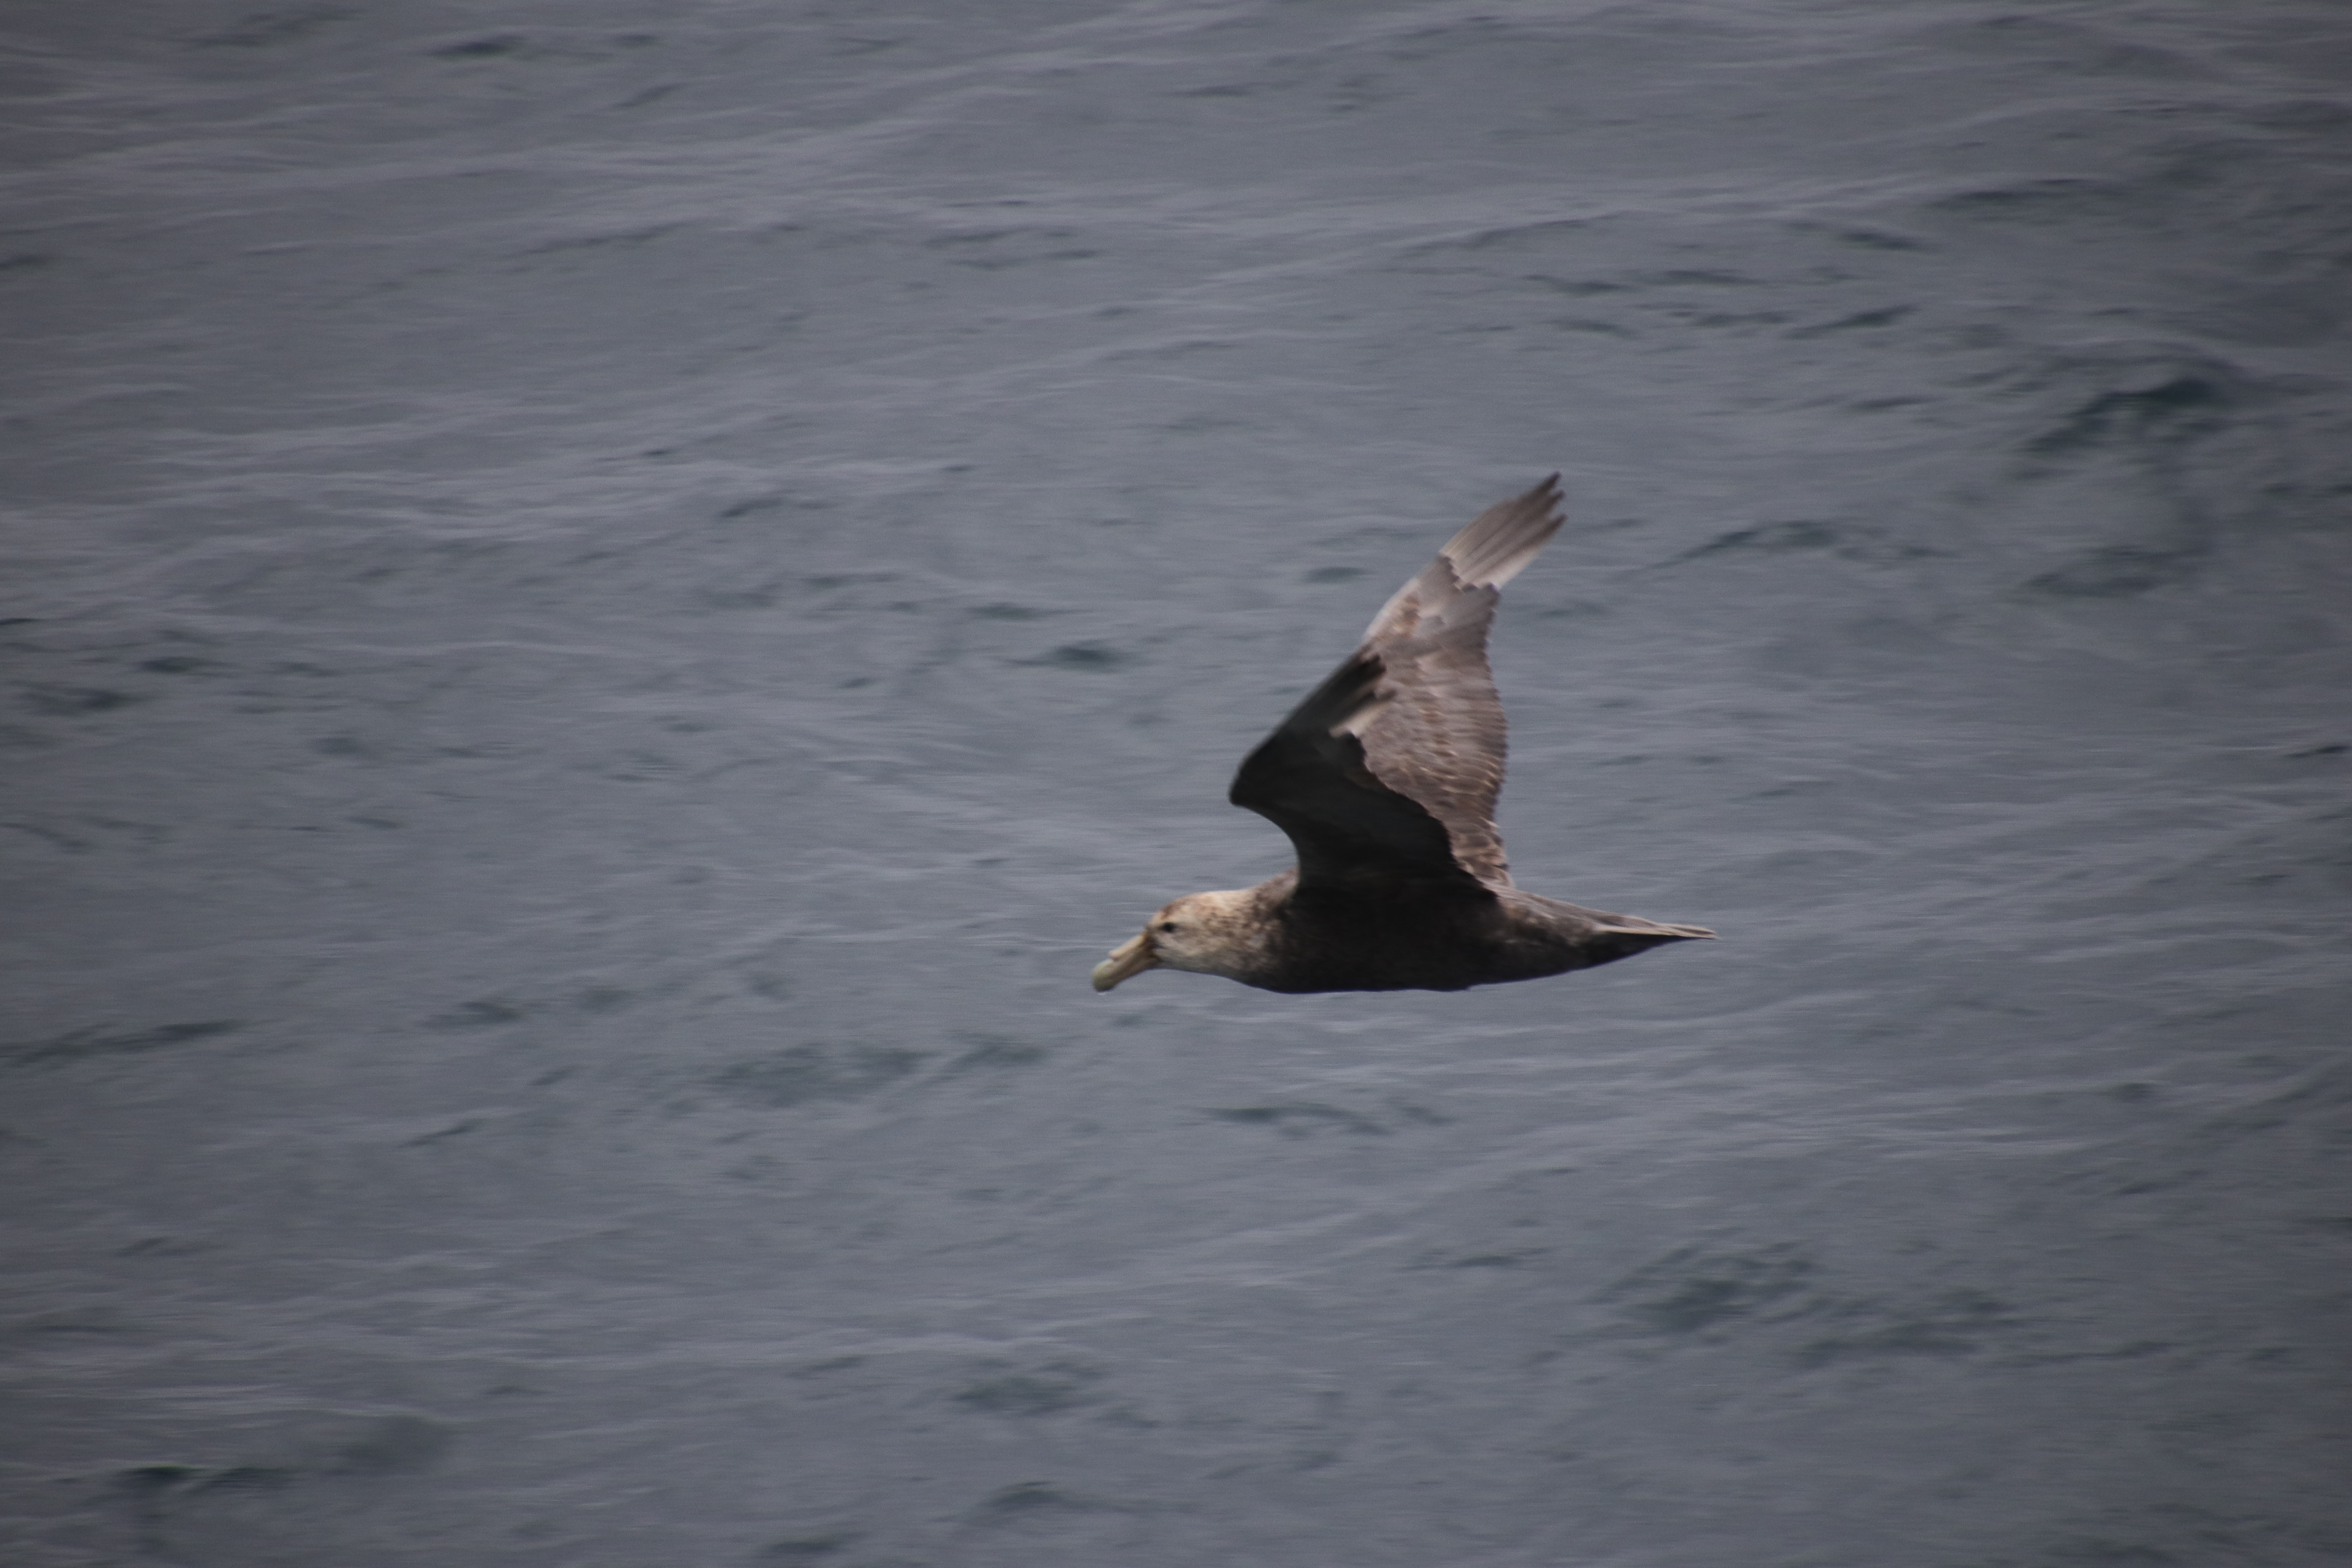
<point>1385,780</point>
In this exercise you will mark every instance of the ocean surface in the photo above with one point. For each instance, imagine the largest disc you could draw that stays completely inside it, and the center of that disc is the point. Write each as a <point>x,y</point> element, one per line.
<point>610,605</point>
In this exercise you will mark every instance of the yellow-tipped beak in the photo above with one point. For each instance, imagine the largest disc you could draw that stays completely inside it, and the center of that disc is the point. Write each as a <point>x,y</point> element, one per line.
<point>1129,958</point>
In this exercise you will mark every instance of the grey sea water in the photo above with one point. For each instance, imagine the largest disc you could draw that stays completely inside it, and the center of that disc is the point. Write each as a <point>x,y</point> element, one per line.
<point>611,604</point>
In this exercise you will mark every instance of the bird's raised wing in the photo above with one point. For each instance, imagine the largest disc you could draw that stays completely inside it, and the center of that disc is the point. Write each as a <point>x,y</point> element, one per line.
<point>1387,772</point>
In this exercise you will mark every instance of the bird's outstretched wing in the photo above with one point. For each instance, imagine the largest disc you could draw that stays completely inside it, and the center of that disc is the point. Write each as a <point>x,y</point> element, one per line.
<point>1387,774</point>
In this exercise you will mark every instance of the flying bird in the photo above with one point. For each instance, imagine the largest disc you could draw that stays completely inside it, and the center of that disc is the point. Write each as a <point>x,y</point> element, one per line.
<point>1384,779</point>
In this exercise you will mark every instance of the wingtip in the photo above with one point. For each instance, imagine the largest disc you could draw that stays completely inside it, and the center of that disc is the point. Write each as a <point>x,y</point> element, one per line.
<point>1634,925</point>
<point>1500,542</point>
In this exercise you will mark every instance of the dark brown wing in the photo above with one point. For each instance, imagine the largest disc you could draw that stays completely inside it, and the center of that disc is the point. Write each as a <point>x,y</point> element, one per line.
<point>1387,772</point>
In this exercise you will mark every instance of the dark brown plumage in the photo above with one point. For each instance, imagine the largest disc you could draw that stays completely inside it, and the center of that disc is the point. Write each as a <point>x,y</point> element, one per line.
<point>1384,779</point>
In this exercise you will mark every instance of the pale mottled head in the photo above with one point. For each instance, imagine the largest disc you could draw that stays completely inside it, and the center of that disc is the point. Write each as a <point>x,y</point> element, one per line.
<point>1207,933</point>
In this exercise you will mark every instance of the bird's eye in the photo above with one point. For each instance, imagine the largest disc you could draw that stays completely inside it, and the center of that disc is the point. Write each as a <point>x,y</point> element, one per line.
<point>1170,926</point>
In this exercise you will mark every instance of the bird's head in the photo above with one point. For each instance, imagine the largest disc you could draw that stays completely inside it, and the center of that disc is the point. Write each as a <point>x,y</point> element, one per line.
<point>1208,933</point>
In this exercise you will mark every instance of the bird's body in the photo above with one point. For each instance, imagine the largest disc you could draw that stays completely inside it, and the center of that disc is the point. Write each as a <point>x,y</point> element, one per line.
<point>1384,779</point>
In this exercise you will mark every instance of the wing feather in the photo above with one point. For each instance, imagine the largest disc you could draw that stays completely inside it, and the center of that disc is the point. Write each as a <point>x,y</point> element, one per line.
<point>1388,771</point>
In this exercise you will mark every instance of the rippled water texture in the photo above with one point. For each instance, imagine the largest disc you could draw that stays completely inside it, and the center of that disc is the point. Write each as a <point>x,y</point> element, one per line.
<point>613,602</point>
